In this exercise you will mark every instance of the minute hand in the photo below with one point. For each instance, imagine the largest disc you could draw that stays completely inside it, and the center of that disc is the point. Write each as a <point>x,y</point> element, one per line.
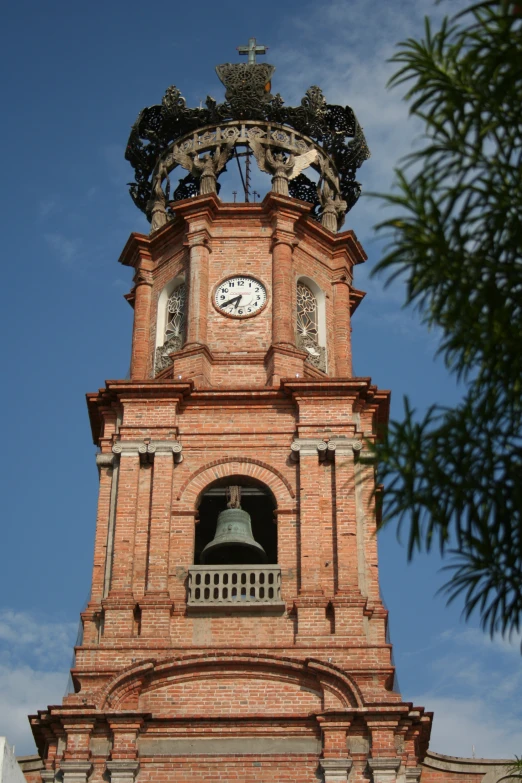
<point>231,301</point>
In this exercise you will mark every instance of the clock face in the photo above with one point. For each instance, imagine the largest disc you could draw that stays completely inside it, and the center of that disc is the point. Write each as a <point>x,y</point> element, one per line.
<point>241,297</point>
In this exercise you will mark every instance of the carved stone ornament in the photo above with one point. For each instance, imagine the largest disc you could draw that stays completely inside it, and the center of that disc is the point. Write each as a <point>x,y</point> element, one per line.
<point>307,338</point>
<point>202,139</point>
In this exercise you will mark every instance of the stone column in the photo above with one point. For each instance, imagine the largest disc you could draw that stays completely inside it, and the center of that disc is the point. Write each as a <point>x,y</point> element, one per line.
<point>342,328</point>
<point>283,332</point>
<point>156,605</point>
<point>141,332</point>
<point>197,321</point>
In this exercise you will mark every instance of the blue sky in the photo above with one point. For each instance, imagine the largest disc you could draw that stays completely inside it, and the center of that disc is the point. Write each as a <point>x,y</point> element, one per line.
<point>77,76</point>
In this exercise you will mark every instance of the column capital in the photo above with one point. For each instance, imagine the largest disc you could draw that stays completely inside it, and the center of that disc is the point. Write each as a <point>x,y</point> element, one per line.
<point>384,769</point>
<point>75,771</point>
<point>200,237</point>
<point>335,770</point>
<point>344,446</point>
<point>122,770</point>
<point>281,237</point>
<point>412,774</point>
<point>147,451</point>
<point>307,447</point>
<point>105,460</point>
<point>143,277</point>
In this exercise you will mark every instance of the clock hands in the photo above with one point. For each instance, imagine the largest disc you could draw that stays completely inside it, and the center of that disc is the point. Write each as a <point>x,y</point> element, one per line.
<point>231,301</point>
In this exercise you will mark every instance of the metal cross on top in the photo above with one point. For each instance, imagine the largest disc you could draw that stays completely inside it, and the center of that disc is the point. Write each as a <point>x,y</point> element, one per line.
<point>252,49</point>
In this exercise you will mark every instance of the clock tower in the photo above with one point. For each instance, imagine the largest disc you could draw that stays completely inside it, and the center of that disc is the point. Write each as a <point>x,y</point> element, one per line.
<point>235,628</point>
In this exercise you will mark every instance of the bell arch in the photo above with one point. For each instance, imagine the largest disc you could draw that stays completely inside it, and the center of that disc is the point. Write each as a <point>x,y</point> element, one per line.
<point>190,492</point>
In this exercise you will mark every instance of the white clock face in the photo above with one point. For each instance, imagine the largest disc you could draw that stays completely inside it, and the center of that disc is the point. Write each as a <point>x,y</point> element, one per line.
<point>240,297</point>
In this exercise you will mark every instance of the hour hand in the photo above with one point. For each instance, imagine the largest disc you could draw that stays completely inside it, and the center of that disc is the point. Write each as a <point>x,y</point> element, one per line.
<point>231,301</point>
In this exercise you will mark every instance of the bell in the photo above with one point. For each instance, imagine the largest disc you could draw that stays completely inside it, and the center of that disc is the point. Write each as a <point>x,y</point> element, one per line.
<point>233,543</point>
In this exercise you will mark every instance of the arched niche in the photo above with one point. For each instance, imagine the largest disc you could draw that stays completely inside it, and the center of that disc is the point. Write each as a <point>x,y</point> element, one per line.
<point>161,316</point>
<point>256,499</point>
<point>320,314</point>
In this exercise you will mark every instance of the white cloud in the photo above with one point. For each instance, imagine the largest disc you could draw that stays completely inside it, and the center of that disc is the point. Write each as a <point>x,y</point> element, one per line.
<point>24,691</point>
<point>35,656</point>
<point>475,695</point>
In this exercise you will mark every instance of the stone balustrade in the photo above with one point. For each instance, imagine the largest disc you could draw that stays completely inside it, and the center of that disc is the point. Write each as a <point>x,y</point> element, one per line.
<point>231,587</point>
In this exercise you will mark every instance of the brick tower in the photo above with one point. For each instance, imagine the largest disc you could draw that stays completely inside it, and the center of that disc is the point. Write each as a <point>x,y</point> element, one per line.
<point>235,628</point>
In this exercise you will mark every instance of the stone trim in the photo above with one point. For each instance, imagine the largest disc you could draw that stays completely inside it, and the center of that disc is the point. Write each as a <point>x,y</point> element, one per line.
<point>122,771</point>
<point>335,770</point>
<point>105,460</point>
<point>384,769</point>
<point>307,447</point>
<point>147,451</point>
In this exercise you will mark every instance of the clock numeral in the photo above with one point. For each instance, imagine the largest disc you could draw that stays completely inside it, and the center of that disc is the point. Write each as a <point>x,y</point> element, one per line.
<point>258,297</point>
<point>222,296</point>
<point>240,312</point>
<point>225,290</point>
<point>231,285</point>
<point>249,310</point>
<point>256,290</point>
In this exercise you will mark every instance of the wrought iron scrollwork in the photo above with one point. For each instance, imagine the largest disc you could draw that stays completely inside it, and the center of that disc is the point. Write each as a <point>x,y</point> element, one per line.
<point>334,129</point>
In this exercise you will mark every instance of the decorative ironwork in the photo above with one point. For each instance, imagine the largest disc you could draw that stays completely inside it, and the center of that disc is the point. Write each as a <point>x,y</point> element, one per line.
<point>305,190</point>
<point>307,327</point>
<point>175,328</point>
<point>295,130</point>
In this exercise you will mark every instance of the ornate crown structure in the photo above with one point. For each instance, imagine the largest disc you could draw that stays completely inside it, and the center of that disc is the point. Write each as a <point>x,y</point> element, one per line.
<point>285,140</point>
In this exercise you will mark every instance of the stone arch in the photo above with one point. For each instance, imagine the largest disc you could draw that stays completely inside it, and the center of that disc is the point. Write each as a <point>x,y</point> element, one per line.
<point>126,689</point>
<point>193,487</point>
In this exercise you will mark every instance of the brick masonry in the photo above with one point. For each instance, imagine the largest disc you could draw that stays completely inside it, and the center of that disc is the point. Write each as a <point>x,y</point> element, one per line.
<point>164,694</point>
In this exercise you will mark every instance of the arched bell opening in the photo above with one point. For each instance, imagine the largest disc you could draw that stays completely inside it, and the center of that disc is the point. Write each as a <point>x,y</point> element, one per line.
<point>238,539</point>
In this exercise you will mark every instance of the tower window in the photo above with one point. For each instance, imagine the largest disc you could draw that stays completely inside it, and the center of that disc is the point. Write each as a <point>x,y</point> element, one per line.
<point>174,319</point>
<point>307,326</point>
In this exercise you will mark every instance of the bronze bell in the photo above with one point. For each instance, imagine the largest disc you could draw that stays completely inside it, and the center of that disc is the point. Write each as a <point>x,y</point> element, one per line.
<point>233,543</point>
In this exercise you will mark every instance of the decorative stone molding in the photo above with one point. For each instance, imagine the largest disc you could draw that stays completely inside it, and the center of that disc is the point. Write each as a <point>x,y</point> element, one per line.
<point>384,769</point>
<point>122,771</point>
<point>147,451</point>
<point>335,770</point>
<point>75,771</point>
<point>48,775</point>
<point>345,446</point>
<point>412,774</point>
<point>308,447</point>
<point>105,460</point>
